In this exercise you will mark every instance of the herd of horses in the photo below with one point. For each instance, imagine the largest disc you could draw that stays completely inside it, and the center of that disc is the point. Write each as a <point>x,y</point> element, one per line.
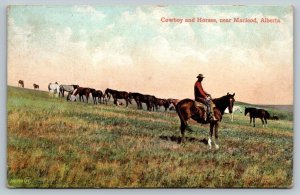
<point>83,93</point>
<point>186,109</point>
<point>21,84</point>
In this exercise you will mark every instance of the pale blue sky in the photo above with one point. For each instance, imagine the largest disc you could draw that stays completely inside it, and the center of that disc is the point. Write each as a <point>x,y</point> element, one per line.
<point>93,21</point>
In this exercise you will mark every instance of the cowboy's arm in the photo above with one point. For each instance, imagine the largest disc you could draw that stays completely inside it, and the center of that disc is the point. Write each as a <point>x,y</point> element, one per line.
<point>200,89</point>
<point>207,94</point>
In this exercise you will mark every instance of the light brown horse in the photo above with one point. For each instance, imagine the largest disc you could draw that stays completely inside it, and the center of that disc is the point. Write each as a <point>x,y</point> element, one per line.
<point>187,109</point>
<point>21,83</point>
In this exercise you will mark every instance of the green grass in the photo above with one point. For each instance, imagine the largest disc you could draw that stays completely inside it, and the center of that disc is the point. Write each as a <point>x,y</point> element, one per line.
<point>60,144</point>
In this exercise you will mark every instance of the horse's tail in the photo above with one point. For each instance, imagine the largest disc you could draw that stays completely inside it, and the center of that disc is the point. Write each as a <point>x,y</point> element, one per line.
<point>182,120</point>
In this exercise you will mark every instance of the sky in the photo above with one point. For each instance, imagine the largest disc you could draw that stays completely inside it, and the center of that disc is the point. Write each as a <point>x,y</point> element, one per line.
<point>129,48</point>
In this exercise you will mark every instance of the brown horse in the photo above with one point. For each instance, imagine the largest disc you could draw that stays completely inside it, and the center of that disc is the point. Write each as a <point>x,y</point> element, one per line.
<point>118,95</point>
<point>139,98</point>
<point>21,83</point>
<point>35,86</point>
<point>100,96</point>
<point>82,91</point>
<point>173,102</point>
<point>187,109</point>
<point>97,94</point>
<point>162,102</point>
<point>257,113</point>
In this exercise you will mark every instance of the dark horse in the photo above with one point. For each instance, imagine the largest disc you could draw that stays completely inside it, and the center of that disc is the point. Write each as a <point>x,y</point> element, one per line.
<point>257,113</point>
<point>139,98</point>
<point>82,91</point>
<point>97,94</point>
<point>35,86</point>
<point>187,109</point>
<point>118,95</point>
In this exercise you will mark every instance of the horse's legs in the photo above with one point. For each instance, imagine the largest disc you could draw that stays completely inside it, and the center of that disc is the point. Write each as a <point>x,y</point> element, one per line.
<point>232,117</point>
<point>126,103</point>
<point>115,101</point>
<point>250,120</point>
<point>217,135</point>
<point>262,120</point>
<point>182,130</point>
<point>253,122</point>
<point>87,95</point>
<point>266,123</point>
<point>141,106</point>
<point>211,131</point>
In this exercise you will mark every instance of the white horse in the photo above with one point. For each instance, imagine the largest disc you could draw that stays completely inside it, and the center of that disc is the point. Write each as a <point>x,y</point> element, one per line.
<point>53,89</point>
<point>234,109</point>
<point>67,88</point>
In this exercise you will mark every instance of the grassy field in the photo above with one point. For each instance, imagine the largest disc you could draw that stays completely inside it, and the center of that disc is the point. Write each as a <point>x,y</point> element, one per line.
<point>59,144</point>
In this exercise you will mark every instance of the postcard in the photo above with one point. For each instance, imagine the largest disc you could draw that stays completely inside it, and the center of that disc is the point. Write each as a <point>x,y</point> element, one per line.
<point>150,96</point>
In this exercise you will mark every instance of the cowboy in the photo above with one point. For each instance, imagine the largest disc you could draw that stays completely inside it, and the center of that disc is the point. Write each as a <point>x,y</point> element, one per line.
<point>204,97</point>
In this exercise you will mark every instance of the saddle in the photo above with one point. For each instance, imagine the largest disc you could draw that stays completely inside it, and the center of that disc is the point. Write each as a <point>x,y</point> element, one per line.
<point>200,105</point>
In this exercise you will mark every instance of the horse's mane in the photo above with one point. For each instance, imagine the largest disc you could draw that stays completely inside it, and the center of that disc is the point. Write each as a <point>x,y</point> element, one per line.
<point>219,102</point>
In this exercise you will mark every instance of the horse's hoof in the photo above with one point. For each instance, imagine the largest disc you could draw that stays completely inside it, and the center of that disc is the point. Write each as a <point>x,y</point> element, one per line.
<point>217,147</point>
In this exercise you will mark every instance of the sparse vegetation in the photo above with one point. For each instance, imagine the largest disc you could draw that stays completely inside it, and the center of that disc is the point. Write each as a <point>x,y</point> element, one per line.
<point>60,144</point>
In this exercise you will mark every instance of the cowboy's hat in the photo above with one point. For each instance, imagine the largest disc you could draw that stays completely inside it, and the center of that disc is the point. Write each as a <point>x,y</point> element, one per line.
<point>200,76</point>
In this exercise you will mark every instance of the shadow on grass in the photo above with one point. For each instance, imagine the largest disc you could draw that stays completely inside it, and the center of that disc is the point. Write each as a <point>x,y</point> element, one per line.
<point>177,139</point>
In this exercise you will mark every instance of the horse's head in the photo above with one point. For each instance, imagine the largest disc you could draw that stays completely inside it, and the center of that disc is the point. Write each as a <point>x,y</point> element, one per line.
<point>230,101</point>
<point>106,91</point>
<point>92,90</point>
<point>130,97</point>
<point>246,111</point>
